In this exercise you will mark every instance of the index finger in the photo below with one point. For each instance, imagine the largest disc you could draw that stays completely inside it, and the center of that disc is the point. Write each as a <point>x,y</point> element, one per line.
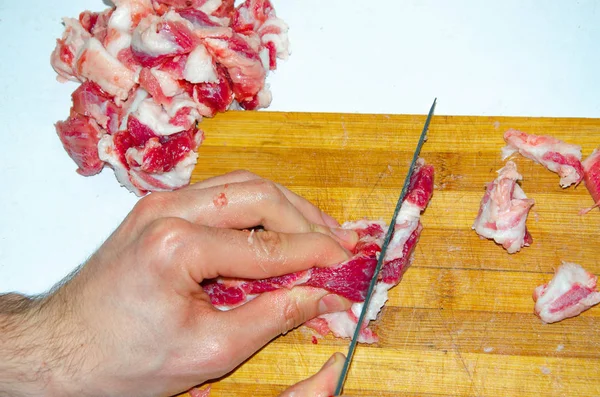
<point>311,212</point>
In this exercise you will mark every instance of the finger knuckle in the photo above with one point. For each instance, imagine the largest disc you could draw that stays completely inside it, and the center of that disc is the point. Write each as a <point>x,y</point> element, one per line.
<point>223,350</point>
<point>165,237</point>
<point>292,315</point>
<point>270,244</point>
<point>265,188</point>
<point>244,174</point>
<point>152,204</point>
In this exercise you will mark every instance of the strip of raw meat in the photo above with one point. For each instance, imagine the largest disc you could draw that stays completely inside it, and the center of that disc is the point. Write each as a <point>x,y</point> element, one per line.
<point>503,211</point>
<point>556,155</point>
<point>591,176</point>
<point>398,257</point>
<point>152,69</point>
<point>571,291</point>
<point>351,278</point>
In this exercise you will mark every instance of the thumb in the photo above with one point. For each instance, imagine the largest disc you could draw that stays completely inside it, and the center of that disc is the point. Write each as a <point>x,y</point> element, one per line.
<point>321,384</point>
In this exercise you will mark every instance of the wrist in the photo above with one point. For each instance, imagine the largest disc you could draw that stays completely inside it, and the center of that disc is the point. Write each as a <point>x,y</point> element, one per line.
<point>31,360</point>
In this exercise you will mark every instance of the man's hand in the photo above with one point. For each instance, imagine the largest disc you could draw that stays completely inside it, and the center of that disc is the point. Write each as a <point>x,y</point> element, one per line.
<point>134,321</point>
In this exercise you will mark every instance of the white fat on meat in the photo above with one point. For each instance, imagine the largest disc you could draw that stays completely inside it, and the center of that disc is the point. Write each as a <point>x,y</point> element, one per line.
<point>406,223</point>
<point>176,178</point>
<point>554,154</point>
<point>75,38</point>
<point>264,97</point>
<point>133,105</point>
<point>121,23</point>
<point>378,299</point>
<point>119,26</point>
<point>199,67</point>
<point>148,39</point>
<point>571,291</point>
<point>280,40</point>
<point>156,118</point>
<point>503,212</point>
<point>108,153</point>
<point>97,65</point>
<point>169,85</point>
<point>181,101</point>
<point>210,6</point>
<point>264,58</point>
<point>343,325</point>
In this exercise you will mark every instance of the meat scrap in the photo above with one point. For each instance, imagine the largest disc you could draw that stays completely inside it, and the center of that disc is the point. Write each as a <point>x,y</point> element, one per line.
<point>203,391</point>
<point>571,291</point>
<point>503,212</point>
<point>150,70</point>
<point>591,176</point>
<point>349,279</point>
<point>556,155</point>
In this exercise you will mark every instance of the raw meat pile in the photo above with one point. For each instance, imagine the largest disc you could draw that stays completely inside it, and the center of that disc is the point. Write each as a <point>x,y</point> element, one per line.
<point>504,210</point>
<point>570,292</point>
<point>349,279</point>
<point>150,70</point>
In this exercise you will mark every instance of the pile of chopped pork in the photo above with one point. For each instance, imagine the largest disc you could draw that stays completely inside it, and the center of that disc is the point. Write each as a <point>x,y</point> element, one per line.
<point>150,70</point>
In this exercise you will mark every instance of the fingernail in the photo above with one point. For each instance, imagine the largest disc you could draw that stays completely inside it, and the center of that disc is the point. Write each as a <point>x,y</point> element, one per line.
<point>346,235</point>
<point>333,303</point>
<point>331,361</point>
<point>329,220</point>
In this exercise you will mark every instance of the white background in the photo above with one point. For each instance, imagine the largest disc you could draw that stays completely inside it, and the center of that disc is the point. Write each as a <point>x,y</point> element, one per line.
<point>501,57</point>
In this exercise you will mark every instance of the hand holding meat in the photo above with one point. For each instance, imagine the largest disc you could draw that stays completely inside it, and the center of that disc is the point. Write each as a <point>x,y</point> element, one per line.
<point>135,321</point>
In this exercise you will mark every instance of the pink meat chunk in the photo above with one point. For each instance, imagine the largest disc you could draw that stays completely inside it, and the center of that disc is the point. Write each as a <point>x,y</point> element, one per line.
<point>556,155</point>
<point>259,16</point>
<point>243,65</point>
<point>150,70</point>
<point>216,8</point>
<point>79,135</point>
<point>157,39</point>
<point>571,291</point>
<point>349,279</point>
<point>89,100</point>
<point>503,212</point>
<point>591,169</point>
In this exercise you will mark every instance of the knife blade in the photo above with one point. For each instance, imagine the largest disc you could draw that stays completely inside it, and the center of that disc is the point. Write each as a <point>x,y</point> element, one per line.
<point>386,241</point>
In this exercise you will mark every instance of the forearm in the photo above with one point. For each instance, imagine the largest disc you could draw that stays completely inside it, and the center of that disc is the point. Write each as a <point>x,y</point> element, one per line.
<point>27,365</point>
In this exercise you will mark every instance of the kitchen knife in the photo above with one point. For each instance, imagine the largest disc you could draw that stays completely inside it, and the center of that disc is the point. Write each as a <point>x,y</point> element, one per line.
<point>386,241</point>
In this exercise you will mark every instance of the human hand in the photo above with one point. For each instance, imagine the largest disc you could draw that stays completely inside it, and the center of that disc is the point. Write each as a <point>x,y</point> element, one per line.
<point>134,320</point>
<point>321,384</point>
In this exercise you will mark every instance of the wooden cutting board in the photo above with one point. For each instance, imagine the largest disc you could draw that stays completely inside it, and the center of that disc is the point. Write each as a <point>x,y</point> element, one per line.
<point>461,322</point>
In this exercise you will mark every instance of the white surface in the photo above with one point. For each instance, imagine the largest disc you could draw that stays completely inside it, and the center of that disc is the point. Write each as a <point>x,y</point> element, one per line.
<point>508,57</point>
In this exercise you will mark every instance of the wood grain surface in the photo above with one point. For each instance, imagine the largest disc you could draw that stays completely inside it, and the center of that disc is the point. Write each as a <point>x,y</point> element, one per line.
<point>461,322</point>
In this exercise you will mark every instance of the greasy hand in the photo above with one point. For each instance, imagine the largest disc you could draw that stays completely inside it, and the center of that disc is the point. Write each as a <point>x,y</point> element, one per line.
<point>135,322</point>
